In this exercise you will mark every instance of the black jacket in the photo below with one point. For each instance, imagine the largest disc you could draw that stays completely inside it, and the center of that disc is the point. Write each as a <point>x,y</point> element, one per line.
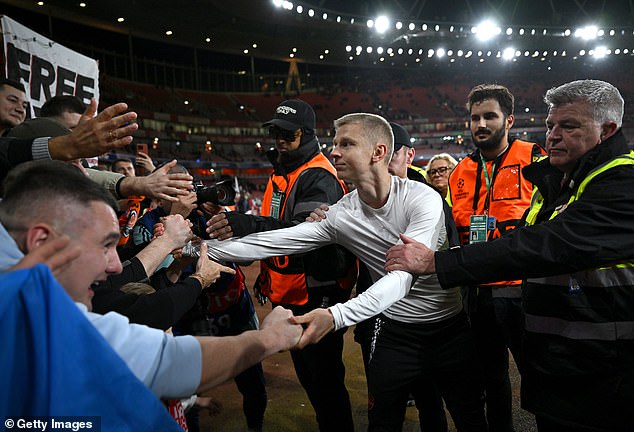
<point>315,187</point>
<point>597,230</point>
<point>159,310</point>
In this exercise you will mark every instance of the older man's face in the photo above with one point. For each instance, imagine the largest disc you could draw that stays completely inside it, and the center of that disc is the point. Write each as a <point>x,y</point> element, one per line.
<point>571,133</point>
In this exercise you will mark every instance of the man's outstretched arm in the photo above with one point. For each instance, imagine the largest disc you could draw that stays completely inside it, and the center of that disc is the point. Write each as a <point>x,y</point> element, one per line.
<point>225,357</point>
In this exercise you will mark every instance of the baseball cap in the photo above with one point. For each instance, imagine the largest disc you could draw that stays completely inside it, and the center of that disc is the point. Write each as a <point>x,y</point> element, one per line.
<point>401,137</point>
<point>293,114</point>
<point>38,127</point>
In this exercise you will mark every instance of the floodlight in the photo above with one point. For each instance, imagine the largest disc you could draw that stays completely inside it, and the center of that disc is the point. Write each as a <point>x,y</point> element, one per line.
<point>587,32</point>
<point>508,53</point>
<point>487,30</point>
<point>600,52</point>
<point>382,24</point>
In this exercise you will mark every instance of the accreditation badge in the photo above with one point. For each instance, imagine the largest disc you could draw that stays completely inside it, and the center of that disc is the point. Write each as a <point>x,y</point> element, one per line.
<point>478,228</point>
<point>276,204</point>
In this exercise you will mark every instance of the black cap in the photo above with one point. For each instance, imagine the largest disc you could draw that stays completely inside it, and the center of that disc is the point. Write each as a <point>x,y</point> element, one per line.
<point>38,127</point>
<point>293,114</point>
<point>401,137</point>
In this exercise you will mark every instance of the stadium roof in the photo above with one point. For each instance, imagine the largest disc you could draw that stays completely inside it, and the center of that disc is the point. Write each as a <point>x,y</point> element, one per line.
<point>345,32</point>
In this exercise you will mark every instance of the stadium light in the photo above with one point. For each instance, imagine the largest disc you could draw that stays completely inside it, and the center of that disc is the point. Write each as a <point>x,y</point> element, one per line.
<point>381,24</point>
<point>587,33</point>
<point>487,30</point>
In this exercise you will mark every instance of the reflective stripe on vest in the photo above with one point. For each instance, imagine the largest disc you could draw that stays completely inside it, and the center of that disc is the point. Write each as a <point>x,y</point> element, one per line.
<point>287,286</point>
<point>580,330</point>
<point>537,201</point>
<point>509,196</point>
<point>609,277</point>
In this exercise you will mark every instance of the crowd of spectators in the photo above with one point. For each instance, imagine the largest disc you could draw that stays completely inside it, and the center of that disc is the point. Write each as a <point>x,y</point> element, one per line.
<point>97,231</point>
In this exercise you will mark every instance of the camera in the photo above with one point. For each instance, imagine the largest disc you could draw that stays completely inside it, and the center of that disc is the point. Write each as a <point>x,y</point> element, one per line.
<point>221,193</point>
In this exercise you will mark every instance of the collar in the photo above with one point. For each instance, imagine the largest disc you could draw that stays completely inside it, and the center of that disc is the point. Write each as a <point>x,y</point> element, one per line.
<point>10,253</point>
<point>548,178</point>
<point>289,162</point>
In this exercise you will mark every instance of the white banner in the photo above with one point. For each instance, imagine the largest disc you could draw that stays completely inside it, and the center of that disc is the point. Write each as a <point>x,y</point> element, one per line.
<point>45,67</point>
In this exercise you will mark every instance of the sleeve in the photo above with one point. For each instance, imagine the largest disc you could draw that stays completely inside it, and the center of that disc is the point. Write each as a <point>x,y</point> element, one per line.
<point>170,366</point>
<point>15,151</point>
<point>133,271</point>
<point>160,309</point>
<point>426,225</point>
<point>39,149</point>
<point>382,294</point>
<point>287,241</point>
<point>315,187</point>
<point>106,179</point>
<point>595,230</point>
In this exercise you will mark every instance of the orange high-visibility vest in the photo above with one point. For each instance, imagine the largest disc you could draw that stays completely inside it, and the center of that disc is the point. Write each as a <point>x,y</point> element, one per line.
<point>507,199</point>
<point>282,279</point>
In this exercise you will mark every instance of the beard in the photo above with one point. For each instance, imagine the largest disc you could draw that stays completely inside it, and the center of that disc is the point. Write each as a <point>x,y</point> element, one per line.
<point>491,142</point>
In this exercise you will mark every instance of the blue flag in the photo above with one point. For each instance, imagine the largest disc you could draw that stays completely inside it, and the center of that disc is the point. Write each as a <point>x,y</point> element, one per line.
<point>55,363</point>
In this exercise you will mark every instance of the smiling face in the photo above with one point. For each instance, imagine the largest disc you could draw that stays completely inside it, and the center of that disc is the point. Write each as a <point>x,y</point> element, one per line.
<point>571,133</point>
<point>96,230</point>
<point>13,106</point>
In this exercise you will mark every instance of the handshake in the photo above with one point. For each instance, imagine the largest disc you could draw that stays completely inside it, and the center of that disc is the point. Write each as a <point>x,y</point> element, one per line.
<point>283,331</point>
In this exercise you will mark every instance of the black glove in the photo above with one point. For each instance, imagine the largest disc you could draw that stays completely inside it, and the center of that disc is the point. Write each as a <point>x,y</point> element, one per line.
<point>259,296</point>
<point>241,224</point>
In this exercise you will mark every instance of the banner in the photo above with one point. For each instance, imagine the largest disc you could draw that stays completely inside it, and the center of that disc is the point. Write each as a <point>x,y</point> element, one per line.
<point>45,67</point>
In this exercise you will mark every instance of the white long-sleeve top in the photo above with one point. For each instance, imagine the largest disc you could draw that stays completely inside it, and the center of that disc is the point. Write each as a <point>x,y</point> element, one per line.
<point>412,208</point>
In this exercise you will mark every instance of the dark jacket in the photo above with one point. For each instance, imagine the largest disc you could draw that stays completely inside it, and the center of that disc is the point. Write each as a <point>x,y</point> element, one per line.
<point>578,293</point>
<point>598,229</point>
<point>160,310</point>
<point>13,152</point>
<point>315,187</point>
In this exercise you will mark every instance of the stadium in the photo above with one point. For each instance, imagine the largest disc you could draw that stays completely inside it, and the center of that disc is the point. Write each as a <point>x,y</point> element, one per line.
<point>204,75</point>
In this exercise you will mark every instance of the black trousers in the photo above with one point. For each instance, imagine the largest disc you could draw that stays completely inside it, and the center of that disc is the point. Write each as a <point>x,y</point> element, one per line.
<point>406,356</point>
<point>431,411</point>
<point>497,325</point>
<point>321,373</point>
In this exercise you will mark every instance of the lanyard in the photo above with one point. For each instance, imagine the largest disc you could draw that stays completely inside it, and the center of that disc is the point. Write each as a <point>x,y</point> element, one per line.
<point>487,179</point>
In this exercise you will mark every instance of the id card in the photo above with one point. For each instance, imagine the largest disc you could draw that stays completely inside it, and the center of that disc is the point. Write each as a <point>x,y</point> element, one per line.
<point>276,204</point>
<point>478,229</point>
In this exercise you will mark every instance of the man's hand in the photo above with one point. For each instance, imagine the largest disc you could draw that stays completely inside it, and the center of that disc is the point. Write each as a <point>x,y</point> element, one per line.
<point>159,184</point>
<point>318,214</point>
<point>284,334</point>
<point>56,254</point>
<point>184,205</point>
<point>411,256</point>
<point>209,210</point>
<point>145,162</point>
<point>177,231</point>
<point>218,227</point>
<point>94,136</point>
<point>208,271</point>
<point>319,323</point>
